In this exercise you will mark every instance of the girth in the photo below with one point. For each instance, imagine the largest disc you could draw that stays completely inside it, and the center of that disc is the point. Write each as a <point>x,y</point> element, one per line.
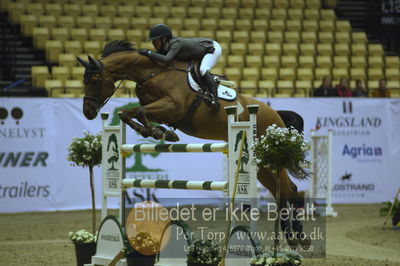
<point>185,123</point>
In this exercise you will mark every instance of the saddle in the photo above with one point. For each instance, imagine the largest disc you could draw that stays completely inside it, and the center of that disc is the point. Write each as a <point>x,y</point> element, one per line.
<point>226,89</point>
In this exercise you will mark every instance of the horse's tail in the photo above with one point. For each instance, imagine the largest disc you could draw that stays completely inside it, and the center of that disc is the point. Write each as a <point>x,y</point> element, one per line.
<point>293,119</point>
<point>303,174</point>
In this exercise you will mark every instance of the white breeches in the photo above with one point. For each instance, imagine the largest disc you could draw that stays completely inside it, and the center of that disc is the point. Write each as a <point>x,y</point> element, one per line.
<point>209,60</point>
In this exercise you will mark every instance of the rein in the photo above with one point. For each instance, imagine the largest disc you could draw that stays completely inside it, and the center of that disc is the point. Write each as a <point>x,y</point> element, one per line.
<point>139,84</point>
<point>152,75</point>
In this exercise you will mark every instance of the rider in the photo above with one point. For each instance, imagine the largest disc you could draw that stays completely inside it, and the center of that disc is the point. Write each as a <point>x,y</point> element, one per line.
<point>186,49</point>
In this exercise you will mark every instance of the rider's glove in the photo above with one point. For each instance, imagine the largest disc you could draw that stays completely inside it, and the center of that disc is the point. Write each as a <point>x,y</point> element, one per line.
<point>145,52</point>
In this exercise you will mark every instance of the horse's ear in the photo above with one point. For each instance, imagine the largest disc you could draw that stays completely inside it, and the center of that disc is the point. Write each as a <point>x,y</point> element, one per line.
<point>83,62</point>
<point>94,63</point>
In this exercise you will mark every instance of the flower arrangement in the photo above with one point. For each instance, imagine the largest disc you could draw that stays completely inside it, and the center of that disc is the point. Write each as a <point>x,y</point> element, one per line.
<point>204,252</point>
<point>143,242</point>
<point>86,152</point>
<point>282,148</point>
<point>258,260</point>
<point>284,258</point>
<point>82,237</point>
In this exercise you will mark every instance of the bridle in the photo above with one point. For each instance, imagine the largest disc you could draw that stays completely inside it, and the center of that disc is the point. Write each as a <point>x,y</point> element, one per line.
<point>96,99</point>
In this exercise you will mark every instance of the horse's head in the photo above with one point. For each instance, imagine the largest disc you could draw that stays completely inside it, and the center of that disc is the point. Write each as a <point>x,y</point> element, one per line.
<point>99,87</point>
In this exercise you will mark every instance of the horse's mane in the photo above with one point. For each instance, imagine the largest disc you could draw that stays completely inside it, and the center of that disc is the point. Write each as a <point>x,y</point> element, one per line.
<point>117,46</point>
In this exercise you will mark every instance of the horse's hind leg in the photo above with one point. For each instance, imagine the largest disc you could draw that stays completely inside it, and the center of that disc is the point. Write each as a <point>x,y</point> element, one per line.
<point>266,178</point>
<point>297,202</point>
<point>160,110</point>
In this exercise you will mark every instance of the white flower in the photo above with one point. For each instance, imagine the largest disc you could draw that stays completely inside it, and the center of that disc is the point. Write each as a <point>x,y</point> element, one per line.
<point>81,236</point>
<point>280,260</point>
<point>85,151</point>
<point>270,260</point>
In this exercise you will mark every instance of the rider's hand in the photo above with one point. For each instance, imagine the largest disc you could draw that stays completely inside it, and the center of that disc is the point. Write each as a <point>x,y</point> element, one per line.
<point>145,52</point>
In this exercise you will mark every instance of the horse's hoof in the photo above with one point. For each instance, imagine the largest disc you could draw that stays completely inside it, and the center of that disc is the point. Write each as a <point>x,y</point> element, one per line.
<point>157,133</point>
<point>170,135</point>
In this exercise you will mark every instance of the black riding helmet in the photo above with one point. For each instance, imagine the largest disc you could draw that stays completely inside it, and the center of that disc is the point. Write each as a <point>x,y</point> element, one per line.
<point>159,31</point>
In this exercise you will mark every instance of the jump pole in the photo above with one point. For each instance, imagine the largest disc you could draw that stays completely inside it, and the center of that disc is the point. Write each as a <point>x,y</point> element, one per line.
<point>115,149</point>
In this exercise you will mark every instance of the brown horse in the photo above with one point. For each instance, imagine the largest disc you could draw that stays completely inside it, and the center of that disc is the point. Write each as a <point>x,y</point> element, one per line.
<point>165,98</point>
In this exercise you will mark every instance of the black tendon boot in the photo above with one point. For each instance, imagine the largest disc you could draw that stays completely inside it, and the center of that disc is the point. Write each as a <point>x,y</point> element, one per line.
<point>212,85</point>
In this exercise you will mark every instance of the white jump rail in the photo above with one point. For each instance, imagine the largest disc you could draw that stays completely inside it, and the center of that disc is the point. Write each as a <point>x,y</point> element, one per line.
<point>115,149</point>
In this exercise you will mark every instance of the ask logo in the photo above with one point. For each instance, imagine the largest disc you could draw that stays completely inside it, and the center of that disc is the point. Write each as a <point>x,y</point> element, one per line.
<point>112,145</point>
<point>245,156</point>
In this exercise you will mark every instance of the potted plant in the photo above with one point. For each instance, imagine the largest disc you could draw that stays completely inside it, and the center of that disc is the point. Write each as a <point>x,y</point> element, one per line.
<point>392,210</point>
<point>203,253</point>
<point>86,152</point>
<point>85,245</point>
<point>141,249</point>
<point>283,258</point>
<point>281,148</point>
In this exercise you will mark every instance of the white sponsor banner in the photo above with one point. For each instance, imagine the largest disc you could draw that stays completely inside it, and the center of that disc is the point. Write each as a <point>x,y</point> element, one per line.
<point>35,134</point>
<point>365,144</point>
<point>34,172</point>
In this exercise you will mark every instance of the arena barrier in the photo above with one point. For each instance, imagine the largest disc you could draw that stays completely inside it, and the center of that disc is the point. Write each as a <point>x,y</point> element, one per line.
<point>114,151</point>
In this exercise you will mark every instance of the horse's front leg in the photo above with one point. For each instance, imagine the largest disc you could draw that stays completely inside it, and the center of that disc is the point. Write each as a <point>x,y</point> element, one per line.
<point>155,132</point>
<point>161,110</point>
<point>127,116</point>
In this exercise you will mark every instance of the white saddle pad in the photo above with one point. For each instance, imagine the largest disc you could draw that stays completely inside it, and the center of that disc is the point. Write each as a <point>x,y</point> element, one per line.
<point>223,91</point>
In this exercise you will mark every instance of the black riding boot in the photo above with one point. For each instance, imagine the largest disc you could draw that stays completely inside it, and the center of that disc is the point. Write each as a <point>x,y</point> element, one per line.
<point>212,85</point>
